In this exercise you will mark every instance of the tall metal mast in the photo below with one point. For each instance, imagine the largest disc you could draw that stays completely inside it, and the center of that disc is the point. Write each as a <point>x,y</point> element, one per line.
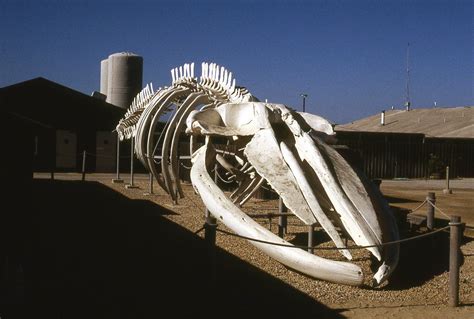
<point>407,101</point>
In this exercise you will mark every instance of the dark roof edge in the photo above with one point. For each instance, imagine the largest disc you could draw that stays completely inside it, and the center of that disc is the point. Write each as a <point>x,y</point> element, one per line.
<point>60,86</point>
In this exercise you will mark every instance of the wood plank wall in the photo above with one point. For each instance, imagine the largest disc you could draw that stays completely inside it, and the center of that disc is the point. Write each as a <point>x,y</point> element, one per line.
<point>389,155</point>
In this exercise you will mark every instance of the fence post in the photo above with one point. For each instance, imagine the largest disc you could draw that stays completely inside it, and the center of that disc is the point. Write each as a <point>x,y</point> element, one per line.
<point>447,190</point>
<point>83,165</point>
<point>117,177</point>
<point>454,245</point>
<point>282,219</point>
<point>210,236</point>
<point>431,199</point>
<point>311,238</point>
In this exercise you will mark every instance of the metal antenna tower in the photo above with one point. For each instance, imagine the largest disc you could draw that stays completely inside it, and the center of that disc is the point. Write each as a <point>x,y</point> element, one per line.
<point>407,101</point>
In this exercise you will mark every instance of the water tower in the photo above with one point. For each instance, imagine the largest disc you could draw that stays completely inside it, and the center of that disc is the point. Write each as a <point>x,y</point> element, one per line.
<point>121,78</point>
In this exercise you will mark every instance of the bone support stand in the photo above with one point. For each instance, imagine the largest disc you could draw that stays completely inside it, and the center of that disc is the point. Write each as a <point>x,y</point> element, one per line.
<point>430,212</point>
<point>311,239</point>
<point>206,211</point>
<point>83,165</point>
<point>131,185</point>
<point>117,177</point>
<point>151,183</point>
<point>210,236</point>
<point>282,219</point>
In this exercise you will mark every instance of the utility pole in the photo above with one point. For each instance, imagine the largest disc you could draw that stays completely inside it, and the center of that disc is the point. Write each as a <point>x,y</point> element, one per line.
<point>304,96</point>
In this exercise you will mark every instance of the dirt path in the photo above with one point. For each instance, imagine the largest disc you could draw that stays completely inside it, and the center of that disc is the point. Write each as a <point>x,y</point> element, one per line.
<point>418,288</point>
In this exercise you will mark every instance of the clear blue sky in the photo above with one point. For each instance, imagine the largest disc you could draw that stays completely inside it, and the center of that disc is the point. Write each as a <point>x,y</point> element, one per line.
<point>348,56</point>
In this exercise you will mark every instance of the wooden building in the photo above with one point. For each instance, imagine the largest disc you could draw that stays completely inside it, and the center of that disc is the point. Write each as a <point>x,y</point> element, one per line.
<point>419,143</point>
<point>61,123</point>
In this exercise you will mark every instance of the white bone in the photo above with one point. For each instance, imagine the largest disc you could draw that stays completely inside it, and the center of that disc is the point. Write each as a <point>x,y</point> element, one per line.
<point>311,199</point>
<point>341,186</point>
<point>225,211</point>
<point>224,79</point>
<point>186,70</point>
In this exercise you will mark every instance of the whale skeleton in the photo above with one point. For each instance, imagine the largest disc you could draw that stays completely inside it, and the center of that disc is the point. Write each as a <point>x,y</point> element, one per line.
<point>271,143</point>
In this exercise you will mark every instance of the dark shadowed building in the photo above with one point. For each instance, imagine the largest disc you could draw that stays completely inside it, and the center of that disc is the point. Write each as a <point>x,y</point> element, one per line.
<point>62,124</point>
<point>415,144</point>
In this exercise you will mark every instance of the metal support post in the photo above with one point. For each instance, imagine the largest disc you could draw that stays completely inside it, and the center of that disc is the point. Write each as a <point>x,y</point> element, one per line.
<point>215,174</point>
<point>206,211</point>
<point>210,236</point>
<point>131,185</point>
<point>53,166</point>
<point>151,183</point>
<point>117,177</point>
<point>454,252</point>
<point>131,162</point>
<point>311,239</point>
<point>83,165</point>
<point>282,219</point>
<point>431,199</point>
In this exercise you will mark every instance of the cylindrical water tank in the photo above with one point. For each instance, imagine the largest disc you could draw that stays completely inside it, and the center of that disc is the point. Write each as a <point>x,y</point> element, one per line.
<point>104,70</point>
<point>124,78</point>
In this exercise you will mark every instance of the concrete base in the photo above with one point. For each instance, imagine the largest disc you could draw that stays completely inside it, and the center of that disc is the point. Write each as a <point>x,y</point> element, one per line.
<point>128,186</point>
<point>447,191</point>
<point>117,181</point>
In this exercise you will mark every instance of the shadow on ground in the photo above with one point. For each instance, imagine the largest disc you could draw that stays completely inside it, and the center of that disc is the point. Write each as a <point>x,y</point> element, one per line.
<point>91,252</point>
<point>398,200</point>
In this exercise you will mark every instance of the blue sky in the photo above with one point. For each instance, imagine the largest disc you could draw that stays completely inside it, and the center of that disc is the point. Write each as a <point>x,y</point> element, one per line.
<point>348,56</point>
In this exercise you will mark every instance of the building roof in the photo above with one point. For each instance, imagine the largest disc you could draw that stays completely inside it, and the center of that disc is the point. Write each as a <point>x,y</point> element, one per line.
<point>452,122</point>
<point>56,106</point>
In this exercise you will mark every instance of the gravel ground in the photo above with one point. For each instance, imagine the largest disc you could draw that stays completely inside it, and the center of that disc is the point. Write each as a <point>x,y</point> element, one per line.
<point>410,294</point>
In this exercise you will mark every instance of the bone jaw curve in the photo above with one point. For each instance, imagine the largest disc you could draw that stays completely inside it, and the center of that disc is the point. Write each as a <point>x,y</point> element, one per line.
<point>225,211</point>
<point>273,145</point>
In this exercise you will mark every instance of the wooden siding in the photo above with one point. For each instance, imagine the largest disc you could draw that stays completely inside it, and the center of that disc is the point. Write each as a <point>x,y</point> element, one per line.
<point>391,155</point>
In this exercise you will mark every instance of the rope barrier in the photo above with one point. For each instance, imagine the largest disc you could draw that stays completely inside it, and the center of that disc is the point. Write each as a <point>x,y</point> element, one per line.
<point>421,205</point>
<point>438,209</point>
<point>334,248</point>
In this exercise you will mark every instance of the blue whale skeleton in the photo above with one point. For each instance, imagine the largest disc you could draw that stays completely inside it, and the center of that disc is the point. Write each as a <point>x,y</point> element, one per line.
<point>273,144</point>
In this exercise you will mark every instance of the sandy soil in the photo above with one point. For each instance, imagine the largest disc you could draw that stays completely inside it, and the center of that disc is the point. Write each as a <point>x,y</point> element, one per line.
<point>418,289</point>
